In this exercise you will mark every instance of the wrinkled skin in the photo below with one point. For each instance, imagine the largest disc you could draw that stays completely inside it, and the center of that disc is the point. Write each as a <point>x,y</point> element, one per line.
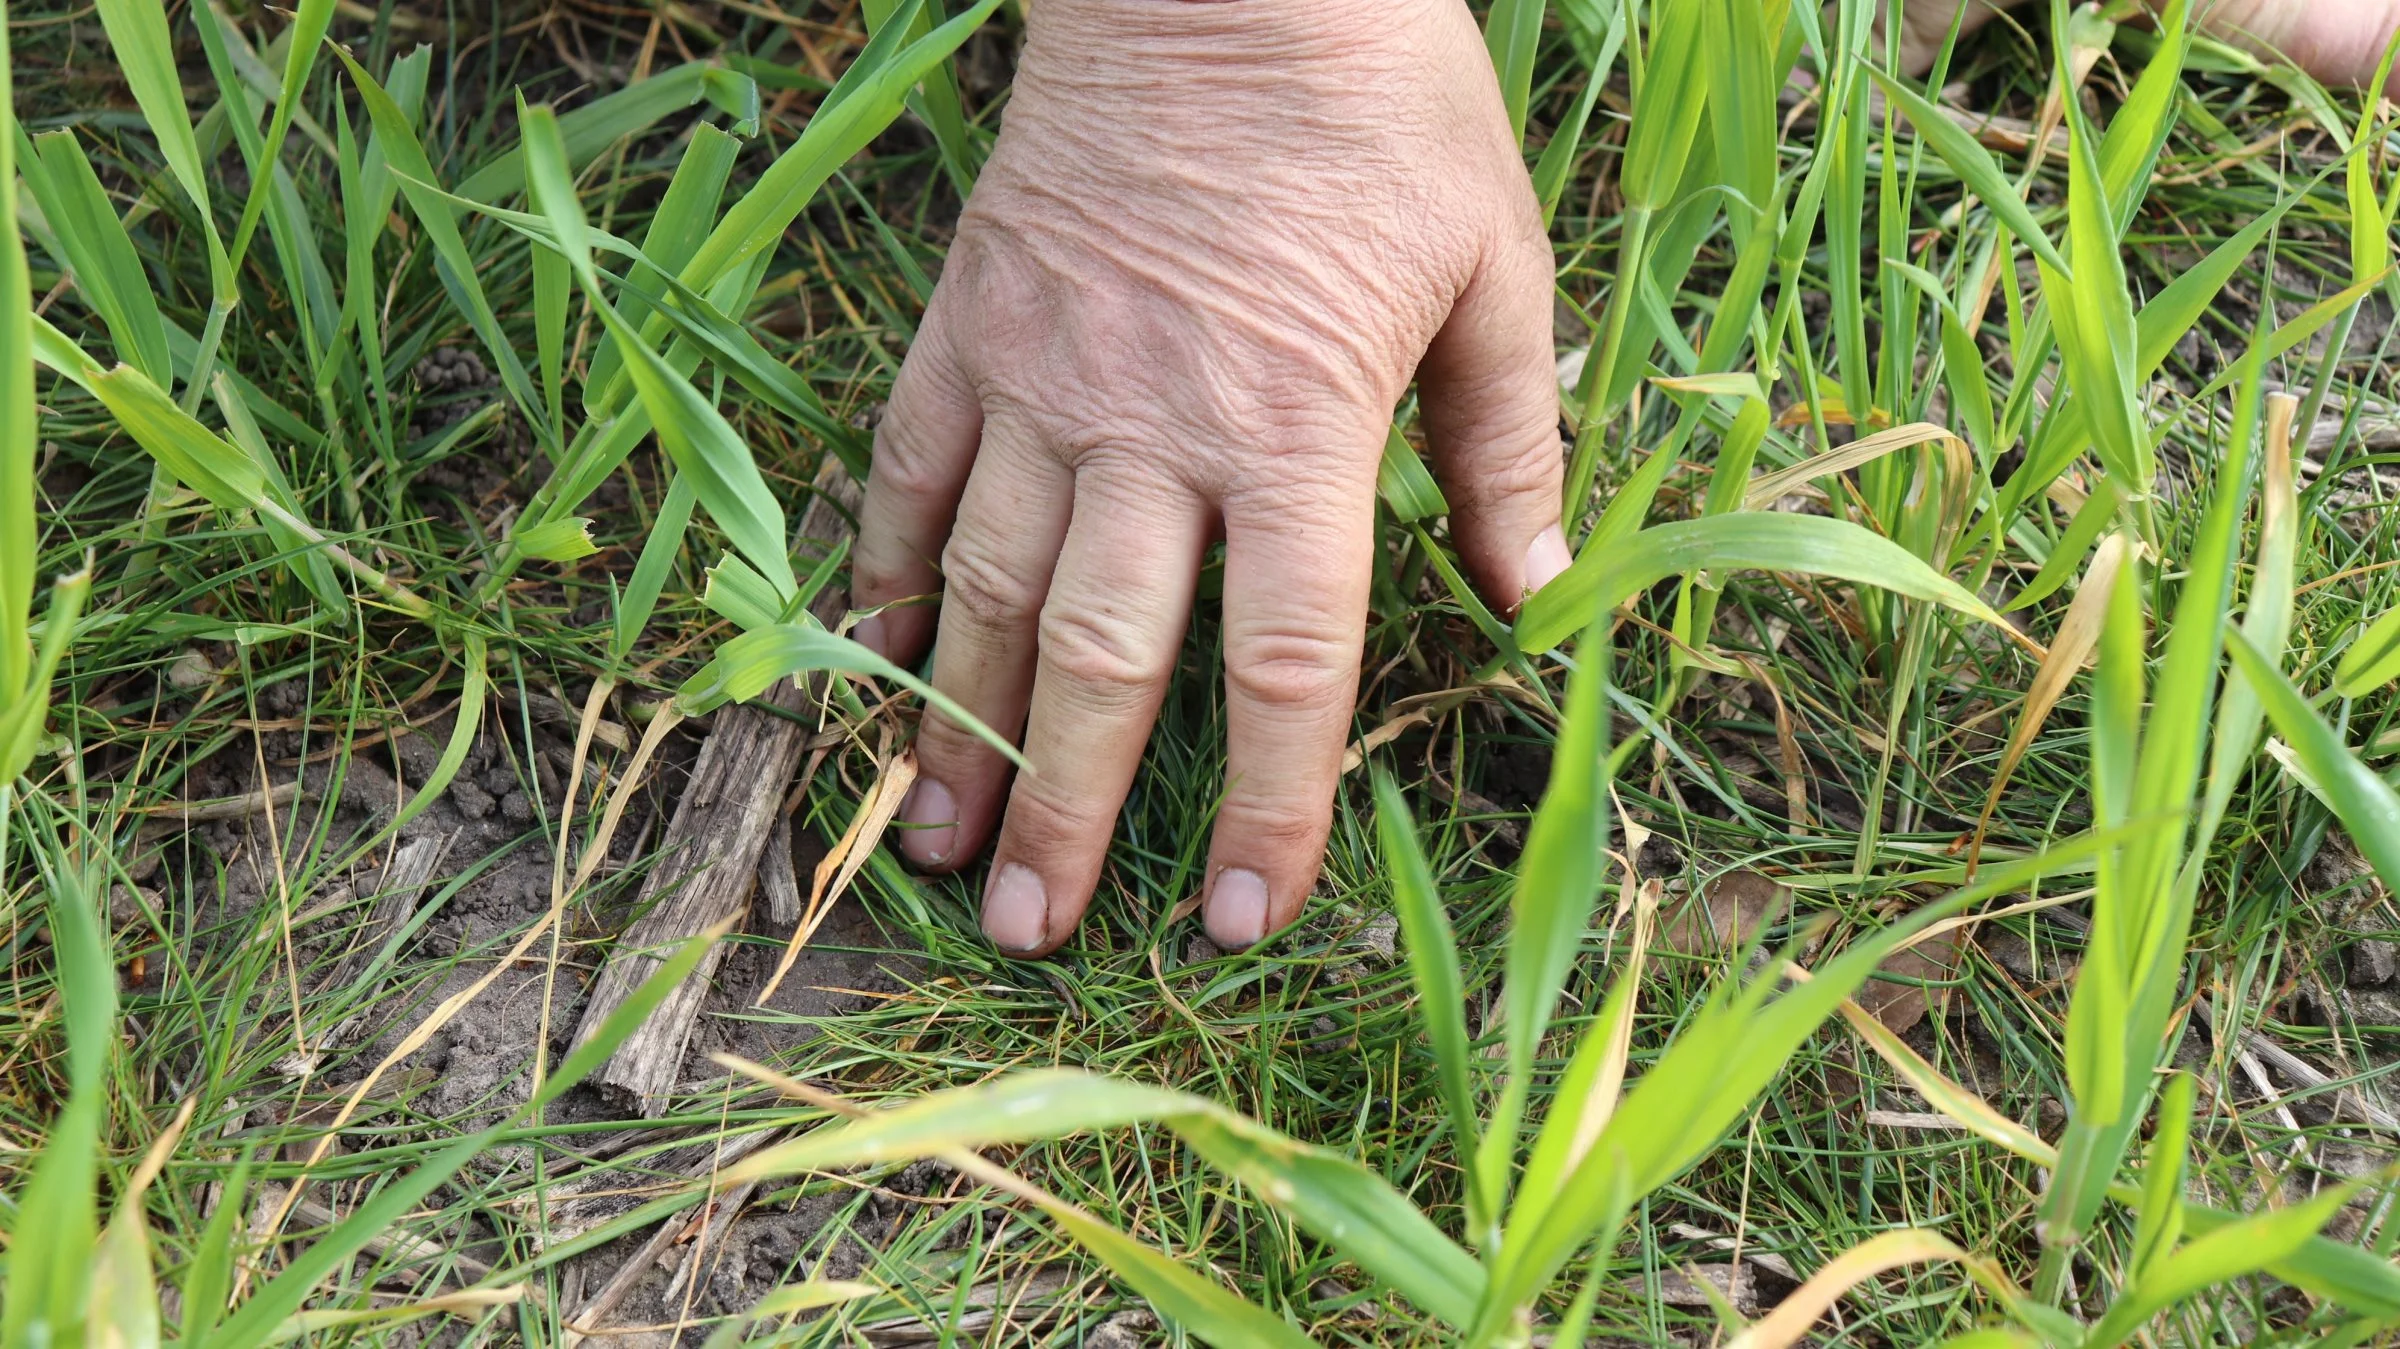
<point>1212,246</point>
<point>1216,240</point>
<point>2338,41</point>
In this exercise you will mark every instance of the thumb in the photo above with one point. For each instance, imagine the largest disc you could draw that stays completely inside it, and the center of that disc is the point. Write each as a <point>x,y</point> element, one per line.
<point>1489,390</point>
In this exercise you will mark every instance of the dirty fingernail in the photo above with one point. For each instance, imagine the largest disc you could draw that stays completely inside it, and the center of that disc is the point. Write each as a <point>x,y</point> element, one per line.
<point>1016,910</point>
<point>874,634</point>
<point>1236,912</point>
<point>1546,558</point>
<point>930,815</point>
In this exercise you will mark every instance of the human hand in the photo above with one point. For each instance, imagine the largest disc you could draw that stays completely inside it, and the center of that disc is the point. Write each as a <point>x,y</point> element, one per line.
<point>2340,42</point>
<point>1213,242</point>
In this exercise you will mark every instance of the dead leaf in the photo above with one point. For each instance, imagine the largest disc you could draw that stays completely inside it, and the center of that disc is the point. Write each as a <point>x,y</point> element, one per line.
<point>857,844</point>
<point>1356,756</point>
<point>1900,1005</point>
<point>1701,1286</point>
<point>1725,916</point>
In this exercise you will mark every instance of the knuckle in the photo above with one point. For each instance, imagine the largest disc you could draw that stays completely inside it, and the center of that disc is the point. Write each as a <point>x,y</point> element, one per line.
<point>1101,656</point>
<point>989,590</point>
<point>1293,669</point>
<point>1284,827</point>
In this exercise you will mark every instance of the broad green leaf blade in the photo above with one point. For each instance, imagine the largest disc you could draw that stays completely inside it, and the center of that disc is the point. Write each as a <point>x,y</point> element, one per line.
<point>1666,107</point>
<point>1027,1107</point>
<point>659,552</point>
<point>2373,659</point>
<point>1333,1196</point>
<point>558,540</point>
<point>1405,484</point>
<point>310,20</point>
<point>1974,166</point>
<point>108,273</point>
<point>1513,31</point>
<point>1602,578</point>
<point>681,221</point>
<point>868,97</point>
<point>457,270</point>
<point>197,456</point>
<point>696,436</point>
<point>2139,130</point>
<point>2159,1224</point>
<point>2366,804</point>
<point>746,665</point>
<point>2249,1246</point>
<point>145,52</point>
<point>1353,1209</point>
<point>737,593</point>
<point>1181,1296</point>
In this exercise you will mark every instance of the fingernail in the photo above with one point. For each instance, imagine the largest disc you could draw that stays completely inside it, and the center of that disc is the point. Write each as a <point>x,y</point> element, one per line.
<point>1236,909</point>
<point>1546,558</point>
<point>1016,910</point>
<point>931,815</point>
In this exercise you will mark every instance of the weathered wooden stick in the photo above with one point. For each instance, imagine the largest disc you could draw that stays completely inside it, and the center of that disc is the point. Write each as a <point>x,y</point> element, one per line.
<point>713,844</point>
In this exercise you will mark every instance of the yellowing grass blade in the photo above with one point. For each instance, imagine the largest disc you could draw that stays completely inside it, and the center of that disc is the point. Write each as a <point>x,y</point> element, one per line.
<point>1773,487</point>
<point>1797,1314</point>
<point>2078,636</point>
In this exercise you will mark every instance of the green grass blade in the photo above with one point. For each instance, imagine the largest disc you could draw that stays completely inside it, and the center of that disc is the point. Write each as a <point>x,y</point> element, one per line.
<point>1181,1296</point>
<point>1602,578</point>
<point>1352,1208</point>
<point>869,95</point>
<point>1550,909</point>
<point>2093,312</point>
<point>310,20</point>
<point>1741,111</point>
<point>1666,106</point>
<point>1333,1196</point>
<point>2159,1224</point>
<point>1557,164</point>
<point>1434,967</point>
<point>599,124</point>
<point>2231,1252</point>
<point>936,101</point>
<point>682,220</point>
<point>256,1322</point>
<point>1974,166</point>
<point>659,552</point>
<point>2130,150</point>
<point>20,432</point>
<point>145,52</point>
<point>694,433</point>
<point>418,182</point>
